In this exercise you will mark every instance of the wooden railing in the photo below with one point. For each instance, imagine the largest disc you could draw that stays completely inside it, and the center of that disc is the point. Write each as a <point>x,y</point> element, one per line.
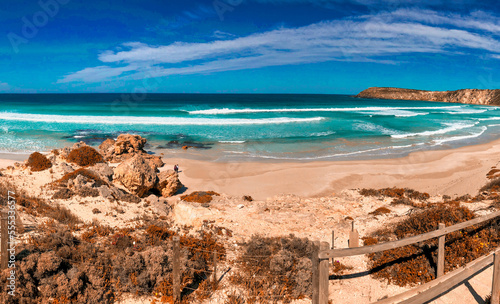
<point>443,283</point>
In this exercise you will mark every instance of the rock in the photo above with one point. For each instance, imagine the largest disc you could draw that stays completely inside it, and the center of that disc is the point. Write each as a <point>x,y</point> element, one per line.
<point>136,175</point>
<point>64,152</point>
<point>189,214</point>
<point>105,192</point>
<point>106,147</point>
<point>154,161</point>
<point>127,143</point>
<point>127,146</point>
<point>471,96</point>
<point>88,192</point>
<point>78,145</point>
<point>168,183</point>
<point>64,193</point>
<point>103,170</point>
<point>241,206</point>
<point>152,199</point>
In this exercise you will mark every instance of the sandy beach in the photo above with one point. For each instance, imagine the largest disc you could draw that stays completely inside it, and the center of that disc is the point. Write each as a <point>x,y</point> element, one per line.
<point>308,200</point>
<point>451,172</point>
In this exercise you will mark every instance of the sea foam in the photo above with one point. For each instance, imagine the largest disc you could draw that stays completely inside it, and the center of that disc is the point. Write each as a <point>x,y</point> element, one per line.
<point>145,120</point>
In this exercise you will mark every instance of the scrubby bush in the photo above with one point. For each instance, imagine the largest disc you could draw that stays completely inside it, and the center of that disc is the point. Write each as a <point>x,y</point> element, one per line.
<point>88,174</point>
<point>415,264</point>
<point>396,193</point>
<point>201,197</point>
<point>38,162</point>
<point>380,211</point>
<point>276,268</point>
<point>85,156</point>
<point>58,267</point>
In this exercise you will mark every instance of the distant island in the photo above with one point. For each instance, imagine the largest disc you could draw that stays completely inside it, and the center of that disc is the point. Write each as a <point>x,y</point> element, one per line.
<point>470,96</point>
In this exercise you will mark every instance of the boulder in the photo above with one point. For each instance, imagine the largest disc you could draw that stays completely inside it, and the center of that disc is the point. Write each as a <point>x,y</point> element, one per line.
<point>155,162</point>
<point>103,170</point>
<point>127,143</point>
<point>152,199</point>
<point>127,146</point>
<point>136,175</point>
<point>107,147</point>
<point>168,183</point>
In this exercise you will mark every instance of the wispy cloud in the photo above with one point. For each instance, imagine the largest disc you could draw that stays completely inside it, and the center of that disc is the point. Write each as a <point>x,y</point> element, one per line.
<point>4,86</point>
<point>380,37</point>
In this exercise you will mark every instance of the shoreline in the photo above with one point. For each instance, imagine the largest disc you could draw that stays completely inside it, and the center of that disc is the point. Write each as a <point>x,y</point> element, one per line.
<point>452,172</point>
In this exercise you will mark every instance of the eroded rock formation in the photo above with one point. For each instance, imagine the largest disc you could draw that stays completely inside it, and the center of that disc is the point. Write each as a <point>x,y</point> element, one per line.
<point>470,96</point>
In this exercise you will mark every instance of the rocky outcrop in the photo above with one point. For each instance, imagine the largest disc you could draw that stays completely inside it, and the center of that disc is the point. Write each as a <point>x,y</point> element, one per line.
<point>168,183</point>
<point>103,170</point>
<point>127,146</point>
<point>469,96</point>
<point>136,175</point>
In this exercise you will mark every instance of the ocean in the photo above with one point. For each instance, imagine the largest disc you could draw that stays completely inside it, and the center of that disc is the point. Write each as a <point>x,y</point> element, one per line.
<point>237,127</point>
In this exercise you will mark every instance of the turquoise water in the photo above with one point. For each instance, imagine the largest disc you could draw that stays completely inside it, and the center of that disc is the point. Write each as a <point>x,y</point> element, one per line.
<point>247,126</point>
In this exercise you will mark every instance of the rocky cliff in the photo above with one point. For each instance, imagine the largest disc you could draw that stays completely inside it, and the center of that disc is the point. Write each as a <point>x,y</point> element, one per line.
<point>471,96</point>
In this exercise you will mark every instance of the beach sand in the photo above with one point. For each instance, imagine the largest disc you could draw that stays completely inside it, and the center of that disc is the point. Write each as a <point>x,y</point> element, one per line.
<point>307,199</point>
<point>451,172</point>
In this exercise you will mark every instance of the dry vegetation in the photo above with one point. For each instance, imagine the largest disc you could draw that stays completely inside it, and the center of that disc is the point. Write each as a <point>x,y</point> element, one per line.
<point>38,162</point>
<point>63,181</point>
<point>273,269</point>
<point>396,193</point>
<point>104,263</point>
<point>416,263</point>
<point>201,197</point>
<point>85,156</point>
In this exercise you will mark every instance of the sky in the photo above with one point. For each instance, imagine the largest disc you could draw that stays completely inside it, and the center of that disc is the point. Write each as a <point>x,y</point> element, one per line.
<point>247,46</point>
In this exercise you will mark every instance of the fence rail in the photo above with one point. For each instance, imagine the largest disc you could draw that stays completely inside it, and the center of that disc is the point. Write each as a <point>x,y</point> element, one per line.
<point>442,284</point>
<point>344,252</point>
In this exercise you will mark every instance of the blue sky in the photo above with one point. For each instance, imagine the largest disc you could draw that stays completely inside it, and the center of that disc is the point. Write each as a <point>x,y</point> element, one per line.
<point>247,46</point>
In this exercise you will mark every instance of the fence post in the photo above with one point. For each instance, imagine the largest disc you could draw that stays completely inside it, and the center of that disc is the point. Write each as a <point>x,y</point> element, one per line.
<point>315,272</point>
<point>441,253</point>
<point>3,248</point>
<point>323,276</point>
<point>333,243</point>
<point>353,237</point>
<point>176,276</point>
<point>495,288</point>
<point>215,269</point>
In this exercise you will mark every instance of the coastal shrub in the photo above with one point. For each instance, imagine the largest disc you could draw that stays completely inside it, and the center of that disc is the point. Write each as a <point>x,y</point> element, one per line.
<point>396,193</point>
<point>338,268</point>
<point>88,174</point>
<point>58,267</point>
<point>380,211</point>
<point>492,186</point>
<point>277,268</point>
<point>85,156</point>
<point>38,162</point>
<point>201,197</point>
<point>64,193</point>
<point>414,264</point>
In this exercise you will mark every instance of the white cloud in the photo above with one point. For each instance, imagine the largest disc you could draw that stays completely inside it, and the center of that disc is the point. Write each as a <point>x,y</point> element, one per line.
<point>4,86</point>
<point>367,38</point>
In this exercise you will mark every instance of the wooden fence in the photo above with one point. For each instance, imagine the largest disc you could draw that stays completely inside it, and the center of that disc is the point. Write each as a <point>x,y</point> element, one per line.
<point>425,292</point>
